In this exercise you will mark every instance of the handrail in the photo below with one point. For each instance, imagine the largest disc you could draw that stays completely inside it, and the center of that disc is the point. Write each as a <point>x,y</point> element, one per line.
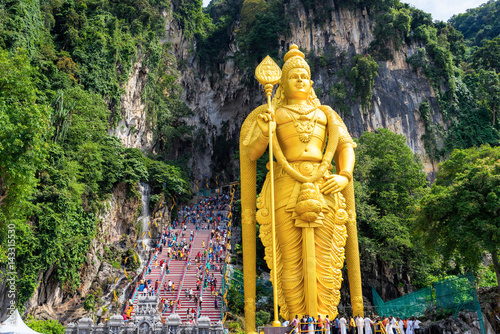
<point>181,284</point>
<point>314,323</point>
<point>225,281</point>
<point>134,294</point>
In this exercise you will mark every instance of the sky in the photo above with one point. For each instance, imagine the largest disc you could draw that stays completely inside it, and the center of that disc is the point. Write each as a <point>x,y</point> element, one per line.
<point>444,9</point>
<point>440,9</point>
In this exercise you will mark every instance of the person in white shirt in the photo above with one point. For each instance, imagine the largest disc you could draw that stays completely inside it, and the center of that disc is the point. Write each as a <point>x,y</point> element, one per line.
<point>416,326</point>
<point>409,326</point>
<point>359,324</point>
<point>343,324</point>
<point>368,325</point>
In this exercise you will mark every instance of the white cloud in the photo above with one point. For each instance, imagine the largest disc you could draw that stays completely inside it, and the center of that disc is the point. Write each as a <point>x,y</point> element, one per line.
<point>444,9</point>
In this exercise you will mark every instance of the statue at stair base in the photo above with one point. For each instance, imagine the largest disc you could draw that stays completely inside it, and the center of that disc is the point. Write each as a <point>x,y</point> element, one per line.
<point>146,325</point>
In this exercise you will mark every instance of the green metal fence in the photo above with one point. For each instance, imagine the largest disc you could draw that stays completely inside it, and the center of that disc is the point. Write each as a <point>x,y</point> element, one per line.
<point>454,294</point>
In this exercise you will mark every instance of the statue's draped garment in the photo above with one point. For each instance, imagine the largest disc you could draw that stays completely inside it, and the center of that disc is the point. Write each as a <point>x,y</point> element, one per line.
<point>330,229</point>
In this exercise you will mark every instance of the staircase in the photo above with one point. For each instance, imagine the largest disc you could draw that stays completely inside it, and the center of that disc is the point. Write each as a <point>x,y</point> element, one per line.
<point>184,278</point>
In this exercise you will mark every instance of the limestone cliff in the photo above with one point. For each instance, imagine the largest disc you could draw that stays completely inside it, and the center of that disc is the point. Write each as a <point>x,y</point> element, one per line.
<point>220,102</point>
<point>101,274</point>
<point>225,98</point>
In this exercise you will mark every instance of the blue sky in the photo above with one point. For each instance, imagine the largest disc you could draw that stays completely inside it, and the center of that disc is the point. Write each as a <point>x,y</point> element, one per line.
<point>440,9</point>
<point>444,9</point>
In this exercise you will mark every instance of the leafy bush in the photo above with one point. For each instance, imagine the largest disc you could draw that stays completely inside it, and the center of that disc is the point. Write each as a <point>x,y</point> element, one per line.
<point>262,318</point>
<point>44,326</point>
<point>362,75</point>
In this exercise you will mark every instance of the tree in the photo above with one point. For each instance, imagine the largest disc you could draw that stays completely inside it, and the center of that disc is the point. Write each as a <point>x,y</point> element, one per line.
<point>489,91</point>
<point>44,326</point>
<point>388,179</point>
<point>488,56</point>
<point>24,126</point>
<point>460,217</point>
<point>391,171</point>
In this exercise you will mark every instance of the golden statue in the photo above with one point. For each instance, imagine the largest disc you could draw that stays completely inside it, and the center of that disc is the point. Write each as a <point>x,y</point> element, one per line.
<point>315,219</point>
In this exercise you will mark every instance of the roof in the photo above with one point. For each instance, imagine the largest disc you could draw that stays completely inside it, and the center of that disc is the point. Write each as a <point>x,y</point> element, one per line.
<point>15,325</point>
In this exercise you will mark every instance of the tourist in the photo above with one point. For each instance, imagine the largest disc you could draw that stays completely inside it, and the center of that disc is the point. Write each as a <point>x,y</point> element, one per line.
<point>359,324</point>
<point>343,325</point>
<point>400,325</point>
<point>303,324</point>
<point>319,324</point>
<point>416,325</point>
<point>368,325</point>
<point>295,323</point>
<point>336,326</point>
<point>352,325</point>
<point>409,326</point>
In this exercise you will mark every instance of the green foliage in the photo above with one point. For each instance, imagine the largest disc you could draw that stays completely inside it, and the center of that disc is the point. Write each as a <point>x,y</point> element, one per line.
<point>190,16</point>
<point>166,110</point>
<point>487,276</point>
<point>391,29</point>
<point>433,131</point>
<point>170,179</point>
<point>89,303</point>
<point>259,37</point>
<point>388,181</point>
<point>132,260</point>
<point>213,46</point>
<point>486,86</point>
<point>362,75</point>
<point>24,126</point>
<point>262,318</point>
<point>470,123</point>
<point>488,55</point>
<point>44,326</point>
<point>459,217</point>
<point>21,24</point>
<point>235,300</point>
<point>478,24</point>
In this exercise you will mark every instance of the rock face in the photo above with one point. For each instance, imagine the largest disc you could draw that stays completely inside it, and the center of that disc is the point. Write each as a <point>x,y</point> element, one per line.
<point>464,322</point>
<point>116,224</point>
<point>220,102</point>
<point>224,99</point>
<point>133,129</point>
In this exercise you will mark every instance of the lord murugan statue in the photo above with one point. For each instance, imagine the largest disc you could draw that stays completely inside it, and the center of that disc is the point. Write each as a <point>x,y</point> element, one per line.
<point>313,207</point>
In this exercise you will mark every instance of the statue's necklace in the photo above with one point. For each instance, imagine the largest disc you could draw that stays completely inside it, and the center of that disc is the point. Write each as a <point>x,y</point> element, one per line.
<point>305,125</point>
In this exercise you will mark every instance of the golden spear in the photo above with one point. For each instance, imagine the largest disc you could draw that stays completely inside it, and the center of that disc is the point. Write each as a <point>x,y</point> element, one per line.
<point>268,73</point>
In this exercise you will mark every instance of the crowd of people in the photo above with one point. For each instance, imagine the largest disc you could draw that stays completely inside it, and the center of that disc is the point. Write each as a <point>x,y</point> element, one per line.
<point>354,325</point>
<point>208,214</point>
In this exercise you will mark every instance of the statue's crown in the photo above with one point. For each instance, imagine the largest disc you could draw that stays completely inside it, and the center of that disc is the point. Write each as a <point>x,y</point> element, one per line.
<point>294,58</point>
<point>294,52</point>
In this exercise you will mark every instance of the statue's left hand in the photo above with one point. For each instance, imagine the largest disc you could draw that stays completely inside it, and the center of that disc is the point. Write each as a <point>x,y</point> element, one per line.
<point>333,184</point>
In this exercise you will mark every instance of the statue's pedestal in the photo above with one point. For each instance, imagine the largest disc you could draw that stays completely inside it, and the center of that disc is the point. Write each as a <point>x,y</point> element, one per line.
<point>277,330</point>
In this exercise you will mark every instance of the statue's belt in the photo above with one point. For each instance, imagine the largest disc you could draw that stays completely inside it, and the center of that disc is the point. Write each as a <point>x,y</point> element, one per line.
<point>306,168</point>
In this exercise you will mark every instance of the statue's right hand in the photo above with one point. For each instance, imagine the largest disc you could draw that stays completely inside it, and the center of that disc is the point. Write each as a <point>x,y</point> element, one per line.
<point>265,120</point>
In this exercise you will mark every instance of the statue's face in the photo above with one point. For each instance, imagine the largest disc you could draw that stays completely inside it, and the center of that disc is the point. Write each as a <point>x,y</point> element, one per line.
<point>298,84</point>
